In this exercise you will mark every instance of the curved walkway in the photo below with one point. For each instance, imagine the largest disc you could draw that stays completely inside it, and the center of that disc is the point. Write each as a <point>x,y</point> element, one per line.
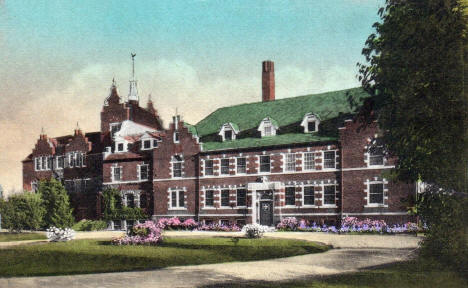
<point>355,252</point>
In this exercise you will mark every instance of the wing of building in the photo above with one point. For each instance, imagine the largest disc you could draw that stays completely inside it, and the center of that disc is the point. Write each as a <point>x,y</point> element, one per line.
<point>304,156</point>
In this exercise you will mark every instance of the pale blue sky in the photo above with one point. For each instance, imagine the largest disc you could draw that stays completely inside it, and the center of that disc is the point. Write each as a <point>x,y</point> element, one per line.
<point>59,57</point>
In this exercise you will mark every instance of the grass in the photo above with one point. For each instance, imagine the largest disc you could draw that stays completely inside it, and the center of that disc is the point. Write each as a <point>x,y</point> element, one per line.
<point>410,274</point>
<point>8,236</point>
<point>92,256</point>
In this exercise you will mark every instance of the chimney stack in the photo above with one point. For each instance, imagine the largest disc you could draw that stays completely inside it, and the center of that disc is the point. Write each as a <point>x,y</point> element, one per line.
<point>268,81</point>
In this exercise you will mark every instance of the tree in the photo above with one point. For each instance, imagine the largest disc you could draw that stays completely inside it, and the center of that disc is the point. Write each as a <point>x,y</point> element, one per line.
<point>22,211</point>
<point>415,75</point>
<point>56,203</point>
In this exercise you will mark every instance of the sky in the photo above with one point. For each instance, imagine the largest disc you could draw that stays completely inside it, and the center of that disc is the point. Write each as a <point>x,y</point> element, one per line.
<point>58,59</point>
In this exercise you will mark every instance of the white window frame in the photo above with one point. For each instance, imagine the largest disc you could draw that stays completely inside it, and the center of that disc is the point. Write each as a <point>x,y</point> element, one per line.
<point>177,193</point>
<point>111,125</point>
<point>267,122</point>
<point>143,141</point>
<point>237,191</point>
<point>303,195</point>
<point>147,172</point>
<point>221,166</point>
<point>57,161</point>
<point>289,205</point>
<point>221,198</point>
<point>290,159</point>
<point>308,118</point>
<point>174,162</point>
<point>237,165</point>
<point>205,167</point>
<point>323,160</point>
<point>260,164</point>
<point>176,137</point>
<point>304,163</point>
<point>213,191</point>
<point>384,184</point>
<point>124,146</point>
<point>113,173</point>
<point>323,195</point>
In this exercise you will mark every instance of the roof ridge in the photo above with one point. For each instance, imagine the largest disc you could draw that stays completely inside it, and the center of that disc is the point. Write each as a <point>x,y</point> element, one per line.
<point>278,100</point>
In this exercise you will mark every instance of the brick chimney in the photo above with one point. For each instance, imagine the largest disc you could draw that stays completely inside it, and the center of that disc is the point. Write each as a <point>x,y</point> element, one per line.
<point>268,81</point>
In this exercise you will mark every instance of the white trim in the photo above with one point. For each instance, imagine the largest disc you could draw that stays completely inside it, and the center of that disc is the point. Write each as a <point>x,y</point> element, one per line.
<point>377,213</point>
<point>225,215</point>
<point>277,173</point>
<point>125,182</point>
<point>172,215</point>
<point>310,117</point>
<point>309,214</point>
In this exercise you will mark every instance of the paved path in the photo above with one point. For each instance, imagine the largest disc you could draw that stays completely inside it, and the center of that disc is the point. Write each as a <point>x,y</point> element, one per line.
<point>351,256</point>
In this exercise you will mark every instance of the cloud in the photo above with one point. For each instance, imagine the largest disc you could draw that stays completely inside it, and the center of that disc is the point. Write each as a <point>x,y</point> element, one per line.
<point>173,84</point>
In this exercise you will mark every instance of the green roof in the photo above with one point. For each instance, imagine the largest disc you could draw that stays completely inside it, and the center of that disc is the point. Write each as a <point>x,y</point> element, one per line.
<point>191,128</point>
<point>284,111</point>
<point>331,108</point>
<point>266,141</point>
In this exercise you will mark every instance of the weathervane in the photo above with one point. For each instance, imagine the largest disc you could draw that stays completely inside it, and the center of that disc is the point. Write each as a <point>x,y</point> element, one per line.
<point>133,65</point>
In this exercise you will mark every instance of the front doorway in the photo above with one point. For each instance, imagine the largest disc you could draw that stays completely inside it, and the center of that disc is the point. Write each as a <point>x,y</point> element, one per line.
<point>266,208</point>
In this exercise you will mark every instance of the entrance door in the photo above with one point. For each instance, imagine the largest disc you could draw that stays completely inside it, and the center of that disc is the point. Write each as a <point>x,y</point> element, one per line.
<point>266,213</point>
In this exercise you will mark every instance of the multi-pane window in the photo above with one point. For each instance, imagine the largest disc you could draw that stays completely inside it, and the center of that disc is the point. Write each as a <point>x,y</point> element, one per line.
<point>209,200</point>
<point>241,197</point>
<point>177,199</point>
<point>329,194</point>
<point>309,195</point>
<point>224,197</point>
<point>376,193</point>
<point>146,144</point>
<point>59,162</point>
<point>120,147</point>
<point>267,129</point>
<point>329,159</point>
<point>176,137</point>
<point>309,161</point>
<point>241,165</point>
<point>290,196</point>
<point>265,163</point>
<point>116,173</point>
<point>208,167</point>
<point>376,156</point>
<point>143,172</point>
<point>177,166</point>
<point>225,166</point>
<point>43,163</point>
<point>130,200</point>
<point>291,162</point>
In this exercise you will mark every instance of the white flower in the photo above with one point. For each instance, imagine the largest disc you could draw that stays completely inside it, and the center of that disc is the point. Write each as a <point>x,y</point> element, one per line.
<point>55,234</point>
<point>256,230</point>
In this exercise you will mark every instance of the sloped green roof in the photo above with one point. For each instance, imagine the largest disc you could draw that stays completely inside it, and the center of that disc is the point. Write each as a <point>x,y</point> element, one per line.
<point>284,111</point>
<point>191,128</point>
<point>266,141</point>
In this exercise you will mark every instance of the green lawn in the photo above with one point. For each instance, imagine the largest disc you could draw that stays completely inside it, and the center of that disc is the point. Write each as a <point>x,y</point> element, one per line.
<point>7,236</point>
<point>90,256</point>
<point>411,274</point>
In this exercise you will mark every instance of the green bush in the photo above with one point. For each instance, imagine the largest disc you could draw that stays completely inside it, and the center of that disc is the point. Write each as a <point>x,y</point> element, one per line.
<point>90,225</point>
<point>23,211</point>
<point>445,214</point>
<point>56,203</point>
<point>114,210</point>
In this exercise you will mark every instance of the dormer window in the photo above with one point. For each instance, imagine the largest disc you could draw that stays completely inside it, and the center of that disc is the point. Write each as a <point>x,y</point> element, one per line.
<point>176,137</point>
<point>310,122</point>
<point>268,127</point>
<point>120,147</point>
<point>228,131</point>
<point>148,141</point>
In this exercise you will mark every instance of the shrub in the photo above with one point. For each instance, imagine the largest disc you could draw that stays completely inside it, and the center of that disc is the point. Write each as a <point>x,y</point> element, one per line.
<point>55,234</point>
<point>254,230</point>
<point>56,203</point>
<point>147,233</point>
<point>288,224</point>
<point>190,224</point>
<point>90,225</point>
<point>22,211</point>
<point>218,227</point>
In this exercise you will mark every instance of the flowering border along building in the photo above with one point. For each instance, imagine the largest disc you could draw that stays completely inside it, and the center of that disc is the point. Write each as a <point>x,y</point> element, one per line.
<point>305,156</point>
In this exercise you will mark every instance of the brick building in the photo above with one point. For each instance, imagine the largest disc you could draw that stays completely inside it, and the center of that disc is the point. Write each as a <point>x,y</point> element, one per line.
<point>303,156</point>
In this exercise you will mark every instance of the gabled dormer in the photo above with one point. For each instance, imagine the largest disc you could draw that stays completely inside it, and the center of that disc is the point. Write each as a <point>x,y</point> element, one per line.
<point>311,123</point>
<point>228,131</point>
<point>148,141</point>
<point>268,127</point>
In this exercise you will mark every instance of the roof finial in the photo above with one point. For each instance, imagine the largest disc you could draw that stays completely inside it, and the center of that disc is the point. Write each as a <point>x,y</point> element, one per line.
<point>149,98</point>
<point>42,130</point>
<point>133,93</point>
<point>113,81</point>
<point>77,126</point>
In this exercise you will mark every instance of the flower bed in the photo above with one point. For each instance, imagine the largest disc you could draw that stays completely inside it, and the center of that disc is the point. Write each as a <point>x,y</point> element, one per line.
<point>348,224</point>
<point>190,224</point>
<point>147,233</point>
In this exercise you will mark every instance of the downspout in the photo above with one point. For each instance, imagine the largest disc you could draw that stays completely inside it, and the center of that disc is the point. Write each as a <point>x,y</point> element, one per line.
<point>341,180</point>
